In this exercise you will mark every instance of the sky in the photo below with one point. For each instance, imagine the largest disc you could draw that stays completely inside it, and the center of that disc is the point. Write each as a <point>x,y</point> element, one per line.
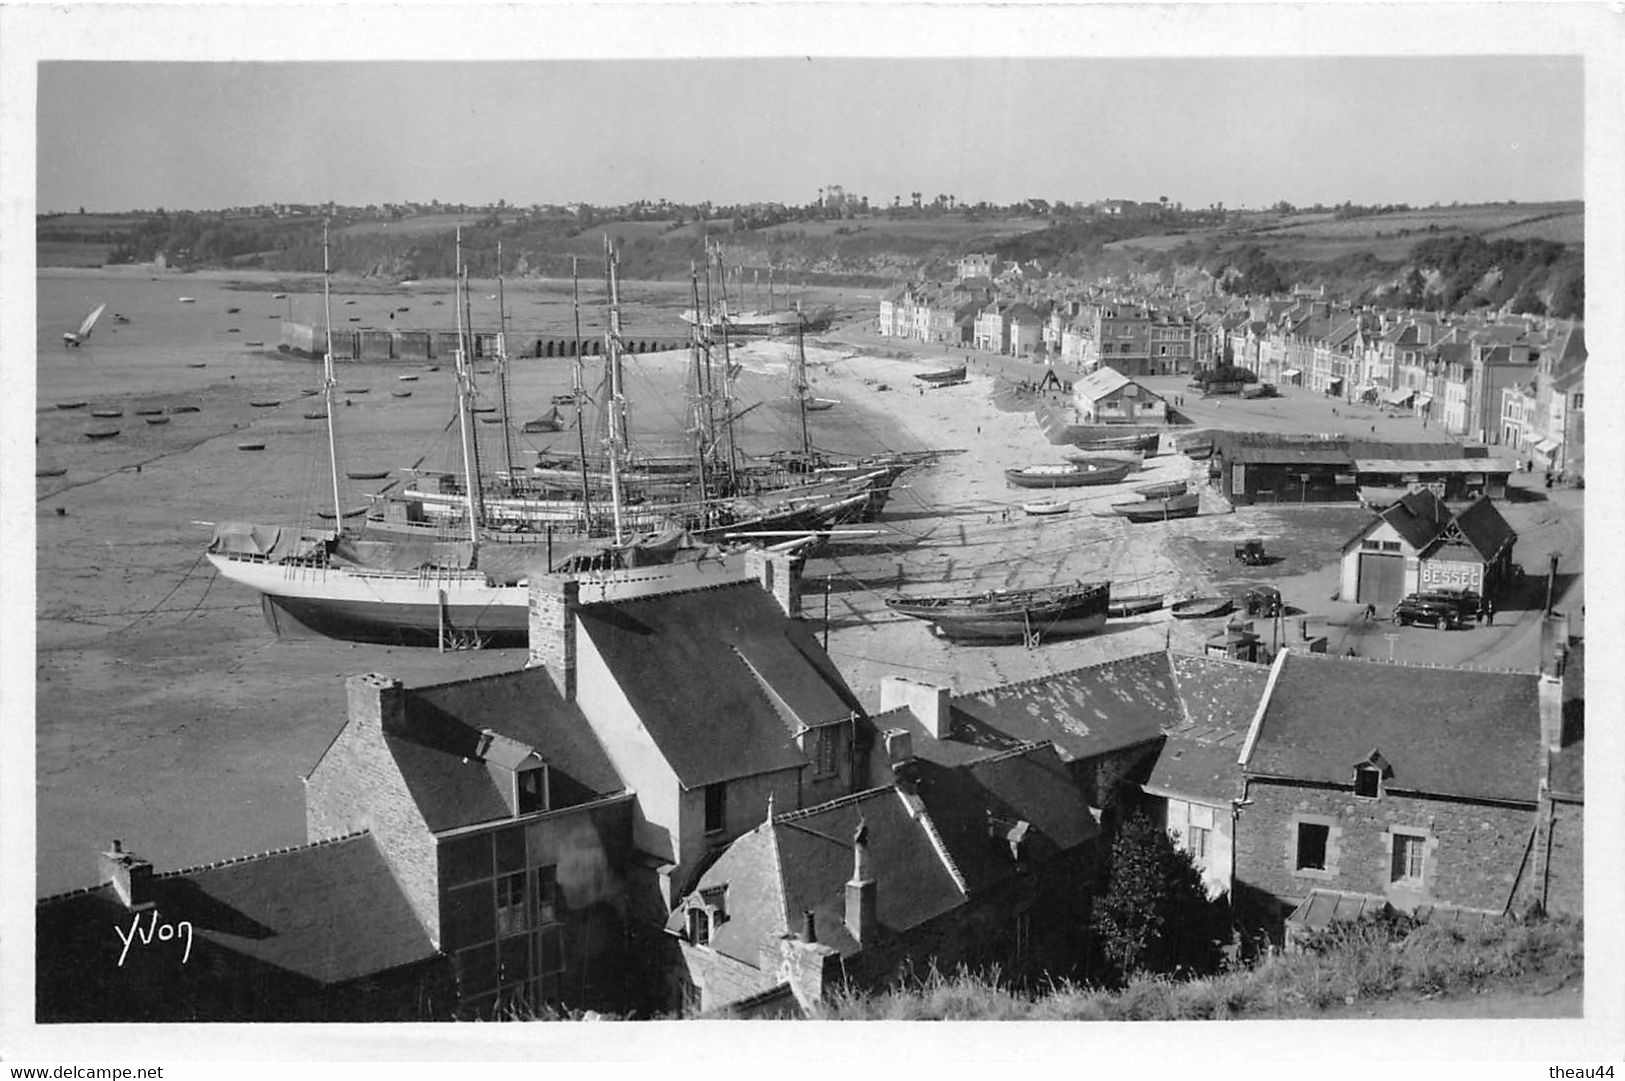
<point>1244,131</point>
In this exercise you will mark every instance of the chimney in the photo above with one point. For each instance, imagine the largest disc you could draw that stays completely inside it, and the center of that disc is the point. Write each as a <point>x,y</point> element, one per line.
<point>484,744</point>
<point>929,702</point>
<point>779,574</point>
<point>899,746</point>
<point>809,926</point>
<point>131,877</point>
<point>554,599</point>
<point>860,891</point>
<point>377,702</point>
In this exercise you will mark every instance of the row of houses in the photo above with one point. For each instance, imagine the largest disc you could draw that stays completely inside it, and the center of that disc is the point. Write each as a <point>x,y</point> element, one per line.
<point>680,800</point>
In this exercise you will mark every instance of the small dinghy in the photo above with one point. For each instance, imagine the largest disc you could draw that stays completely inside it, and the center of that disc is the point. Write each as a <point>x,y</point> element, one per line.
<point>250,446</point>
<point>407,378</point>
<point>315,416</point>
<point>51,471</point>
<point>1045,508</point>
<point>183,409</point>
<point>233,311</point>
<point>107,414</point>
<point>265,403</point>
<point>1135,605</point>
<point>400,394</point>
<point>252,345</point>
<point>357,390</point>
<point>148,412</point>
<point>157,420</point>
<point>71,405</point>
<point>198,364</point>
<point>367,474</point>
<point>101,433</point>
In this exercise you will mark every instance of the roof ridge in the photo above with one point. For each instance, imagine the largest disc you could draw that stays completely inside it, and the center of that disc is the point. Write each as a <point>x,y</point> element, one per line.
<point>82,890</point>
<point>930,827</point>
<point>829,805</point>
<point>1434,665</point>
<point>284,850</point>
<point>1054,675</point>
<point>1017,751</point>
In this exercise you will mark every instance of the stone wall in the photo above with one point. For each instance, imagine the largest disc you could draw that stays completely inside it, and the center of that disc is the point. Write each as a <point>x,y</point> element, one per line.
<point>1473,856</point>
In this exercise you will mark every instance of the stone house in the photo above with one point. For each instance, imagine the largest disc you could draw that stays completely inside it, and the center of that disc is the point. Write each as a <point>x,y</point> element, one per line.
<point>708,703</point>
<point>978,863</point>
<point>1415,787</point>
<point>1026,330</point>
<point>992,328</point>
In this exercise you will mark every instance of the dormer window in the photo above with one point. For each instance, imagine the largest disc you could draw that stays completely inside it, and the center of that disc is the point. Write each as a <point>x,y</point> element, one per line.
<point>531,782</point>
<point>1370,775</point>
<point>699,925</point>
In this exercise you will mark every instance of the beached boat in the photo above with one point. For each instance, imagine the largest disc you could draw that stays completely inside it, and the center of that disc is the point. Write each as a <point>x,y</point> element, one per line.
<point>197,364</point>
<point>817,405</point>
<point>1145,442</point>
<point>407,378</point>
<point>279,296</point>
<point>71,405</point>
<point>315,416</point>
<point>1021,615</point>
<point>1167,489</point>
<point>252,345</point>
<point>1046,507</point>
<point>188,300</point>
<point>357,390</point>
<point>107,414</point>
<point>76,338</point>
<point>943,377</point>
<point>1134,458</point>
<point>400,394</point>
<point>233,311</point>
<point>157,420</point>
<point>101,433</point>
<point>250,446</point>
<point>265,403</point>
<point>1159,510</point>
<point>182,409</point>
<point>149,411</point>
<point>1068,475</point>
<point>1136,605</point>
<point>51,471</point>
<point>1203,607</point>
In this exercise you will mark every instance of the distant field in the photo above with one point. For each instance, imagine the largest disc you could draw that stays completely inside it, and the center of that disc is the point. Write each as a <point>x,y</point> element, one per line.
<point>942,229</point>
<point>427,223</point>
<point>1476,219</point>
<point>68,253</point>
<point>1564,228</point>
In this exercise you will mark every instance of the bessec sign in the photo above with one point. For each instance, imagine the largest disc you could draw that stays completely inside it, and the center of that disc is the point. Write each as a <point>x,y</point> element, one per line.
<point>1447,574</point>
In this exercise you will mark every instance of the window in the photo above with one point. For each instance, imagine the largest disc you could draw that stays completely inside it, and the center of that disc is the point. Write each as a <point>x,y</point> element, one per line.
<point>552,950</point>
<point>1579,401</point>
<point>1367,782</point>
<point>547,895</point>
<point>533,787</point>
<point>1200,839</point>
<point>1409,858</point>
<point>513,914</point>
<point>715,807</point>
<point>699,925</point>
<point>1312,838</point>
<point>1390,546</point>
<point>824,747</point>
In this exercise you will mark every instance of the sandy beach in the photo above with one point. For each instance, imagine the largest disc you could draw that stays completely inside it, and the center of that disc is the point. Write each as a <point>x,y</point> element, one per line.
<point>169,717</point>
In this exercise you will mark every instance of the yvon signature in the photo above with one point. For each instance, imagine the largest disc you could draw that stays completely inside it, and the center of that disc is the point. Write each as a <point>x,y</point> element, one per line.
<point>163,932</point>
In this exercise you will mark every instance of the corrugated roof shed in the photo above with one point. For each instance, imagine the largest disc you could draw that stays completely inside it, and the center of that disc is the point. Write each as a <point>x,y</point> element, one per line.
<point>693,665</point>
<point>1445,731</point>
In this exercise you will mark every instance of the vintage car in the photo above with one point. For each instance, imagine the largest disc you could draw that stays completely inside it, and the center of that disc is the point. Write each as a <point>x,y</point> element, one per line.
<point>1434,611</point>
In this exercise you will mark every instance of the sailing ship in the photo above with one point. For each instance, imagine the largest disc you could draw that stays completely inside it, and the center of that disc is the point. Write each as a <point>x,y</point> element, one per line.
<point>76,338</point>
<point>1022,615</point>
<point>1165,490</point>
<point>1066,475</point>
<point>345,583</point>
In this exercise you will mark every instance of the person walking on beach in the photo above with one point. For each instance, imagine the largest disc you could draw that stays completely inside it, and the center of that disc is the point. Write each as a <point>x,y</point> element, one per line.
<point>1489,611</point>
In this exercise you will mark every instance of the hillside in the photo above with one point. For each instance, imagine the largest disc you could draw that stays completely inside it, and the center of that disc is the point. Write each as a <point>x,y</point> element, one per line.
<point>1445,257</point>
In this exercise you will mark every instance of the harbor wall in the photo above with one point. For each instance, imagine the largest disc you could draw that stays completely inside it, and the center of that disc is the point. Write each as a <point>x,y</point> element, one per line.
<point>307,339</point>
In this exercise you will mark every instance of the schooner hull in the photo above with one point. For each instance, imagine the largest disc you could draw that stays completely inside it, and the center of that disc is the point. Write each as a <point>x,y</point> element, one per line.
<point>1012,617</point>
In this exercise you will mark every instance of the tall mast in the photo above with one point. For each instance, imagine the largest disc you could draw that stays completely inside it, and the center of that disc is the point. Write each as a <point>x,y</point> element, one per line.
<point>465,392</point>
<point>612,341</point>
<point>727,376</point>
<point>581,433</point>
<point>502,369</point>
<point>770,287</point>
<point>801,387</point>
<point>330,385</point>
<point>702,399</point>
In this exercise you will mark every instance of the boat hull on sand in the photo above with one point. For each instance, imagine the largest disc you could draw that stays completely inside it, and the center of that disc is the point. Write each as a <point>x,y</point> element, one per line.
<point>1028,615</point>
<point>1203,607</point>
<point>1072,475</point>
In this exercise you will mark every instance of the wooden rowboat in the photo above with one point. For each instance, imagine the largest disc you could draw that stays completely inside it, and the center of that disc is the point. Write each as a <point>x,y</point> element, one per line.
<point>1068,475</point>
<point>367,474</point>
<point>157,420</point>
<point>1203,607</point>
<point>400,394</point>
<point>1164,490</point>
<point>101,433</point>
<point>1159,510</point>
<point>1046,507</point>
<point>1020,615</point>
<point>268,403</point>
<point>250,446</point>
<point>107,414</point>
<point>71,405</point>
<point>1136,605</point>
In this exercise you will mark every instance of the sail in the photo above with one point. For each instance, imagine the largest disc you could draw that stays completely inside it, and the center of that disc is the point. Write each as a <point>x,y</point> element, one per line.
<point>90,321</point>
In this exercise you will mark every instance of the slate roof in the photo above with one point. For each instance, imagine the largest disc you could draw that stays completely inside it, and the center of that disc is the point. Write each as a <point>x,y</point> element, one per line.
<point>1481,523</point>
<point>1289,455</point>
<point>1445,731</point>
<point>1100,382</point>
<point>929,849</point>
<point>1418,516</point>
<point>693,666</point>
<point>329,911</point>
<point>436,748</point>
<point>1200,759</point>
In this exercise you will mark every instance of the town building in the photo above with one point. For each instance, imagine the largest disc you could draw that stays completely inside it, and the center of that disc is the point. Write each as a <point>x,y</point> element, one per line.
<point>1106,396</point>
<point>1418,544</point>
